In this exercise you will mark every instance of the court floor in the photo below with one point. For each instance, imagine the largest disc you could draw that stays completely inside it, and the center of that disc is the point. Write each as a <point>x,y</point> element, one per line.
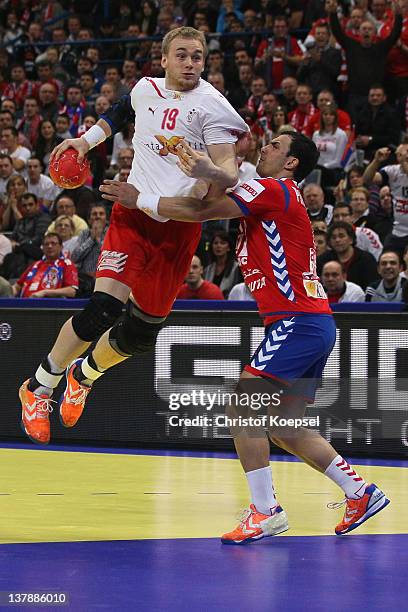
<point>118,530</point>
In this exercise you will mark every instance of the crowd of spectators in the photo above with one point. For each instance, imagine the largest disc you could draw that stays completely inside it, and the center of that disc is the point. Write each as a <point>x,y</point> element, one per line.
<point>337,72</point>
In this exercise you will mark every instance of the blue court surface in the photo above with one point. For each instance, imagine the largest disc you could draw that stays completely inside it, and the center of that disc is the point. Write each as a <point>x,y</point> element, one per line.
<point>139,531</point>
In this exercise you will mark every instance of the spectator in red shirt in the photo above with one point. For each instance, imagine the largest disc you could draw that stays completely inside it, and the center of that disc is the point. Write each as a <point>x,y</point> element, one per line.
<point>304,111</point>
<point>258,89</point>
<point>383,18</point>
<point>397,62</point>
<point>324,98</point>
<point>30,121</point>
<point>266,112</point>
<point>51,276</point>
<point>19,87</point>
<point>196,288</point>
<point>280,55</point>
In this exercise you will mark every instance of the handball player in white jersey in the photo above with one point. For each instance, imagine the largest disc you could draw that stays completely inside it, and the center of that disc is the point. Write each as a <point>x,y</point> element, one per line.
<point>142,258</point>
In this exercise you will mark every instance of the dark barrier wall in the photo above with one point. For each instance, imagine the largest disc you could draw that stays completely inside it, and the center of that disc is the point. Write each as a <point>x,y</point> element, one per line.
<point>362,404</point>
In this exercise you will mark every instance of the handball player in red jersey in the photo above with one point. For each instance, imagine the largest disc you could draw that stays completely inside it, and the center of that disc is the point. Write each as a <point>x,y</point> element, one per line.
<point>277,256</point>
<point>143,260</point>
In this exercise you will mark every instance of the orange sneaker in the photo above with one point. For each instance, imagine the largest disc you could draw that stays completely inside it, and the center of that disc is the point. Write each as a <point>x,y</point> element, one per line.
<point>359,510</point>
<point>254,526</point>
<point>72,401</point>
<point>35,420</point>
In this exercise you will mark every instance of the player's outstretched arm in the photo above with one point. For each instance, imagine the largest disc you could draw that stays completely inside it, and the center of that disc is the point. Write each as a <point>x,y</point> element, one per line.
<point>94,136</point>
<point>193,210</point>
<point>177,208</point>
<point>108,124</point>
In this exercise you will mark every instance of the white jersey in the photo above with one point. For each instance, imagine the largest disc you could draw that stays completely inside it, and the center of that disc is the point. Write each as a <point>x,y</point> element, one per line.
<point>331,147</point>
<point>200,117</point>
<point>398,182</point>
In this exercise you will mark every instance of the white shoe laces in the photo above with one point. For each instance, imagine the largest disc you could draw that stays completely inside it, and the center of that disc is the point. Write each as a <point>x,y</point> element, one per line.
<point>43,404</point>
<point>80,396</point>
<point>336,505</point>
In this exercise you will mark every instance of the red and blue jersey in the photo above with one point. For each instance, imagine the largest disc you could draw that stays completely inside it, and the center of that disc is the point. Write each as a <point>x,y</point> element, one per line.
<point>276,251</point>
<point>44,274</point>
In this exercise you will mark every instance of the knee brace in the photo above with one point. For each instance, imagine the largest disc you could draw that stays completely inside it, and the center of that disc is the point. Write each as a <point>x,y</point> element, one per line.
<point>100,313</point>
<point>135,333</point>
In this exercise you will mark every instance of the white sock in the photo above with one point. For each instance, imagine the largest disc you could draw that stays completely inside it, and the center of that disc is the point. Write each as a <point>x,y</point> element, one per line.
<point>340,472</point>
<point>262,492</point>
<point>89,374</point>
<point>46,378</point>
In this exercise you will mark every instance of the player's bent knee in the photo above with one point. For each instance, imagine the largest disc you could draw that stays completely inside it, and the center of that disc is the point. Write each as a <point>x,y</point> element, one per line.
<point>101,312</point>
<point>133,335</point>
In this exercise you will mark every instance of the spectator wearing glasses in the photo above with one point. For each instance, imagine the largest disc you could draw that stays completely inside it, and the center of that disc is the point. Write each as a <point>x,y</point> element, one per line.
<point>50,277</point>
<point>66,206</point>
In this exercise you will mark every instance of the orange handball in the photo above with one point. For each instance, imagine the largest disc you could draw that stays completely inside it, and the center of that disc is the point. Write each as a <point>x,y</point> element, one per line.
<point>67,173</point>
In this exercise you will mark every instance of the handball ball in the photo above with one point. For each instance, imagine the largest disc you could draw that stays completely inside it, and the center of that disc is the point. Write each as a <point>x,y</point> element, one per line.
<point>66,172</point>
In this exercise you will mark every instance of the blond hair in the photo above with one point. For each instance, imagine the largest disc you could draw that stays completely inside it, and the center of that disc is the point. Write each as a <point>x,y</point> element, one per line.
<point>183,32</point>
<point>65,218</point>
<point>363,190</point>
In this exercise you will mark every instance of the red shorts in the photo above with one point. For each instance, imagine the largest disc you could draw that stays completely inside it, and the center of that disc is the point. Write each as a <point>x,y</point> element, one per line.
<point>152,258</point>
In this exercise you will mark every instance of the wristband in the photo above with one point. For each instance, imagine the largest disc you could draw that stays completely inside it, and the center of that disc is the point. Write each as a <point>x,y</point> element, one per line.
<point>94,136</point>
<point>149,204</point>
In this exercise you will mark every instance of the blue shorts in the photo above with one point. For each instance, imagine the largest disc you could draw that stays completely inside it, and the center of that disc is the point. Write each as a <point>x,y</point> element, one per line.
<point>294,352</point>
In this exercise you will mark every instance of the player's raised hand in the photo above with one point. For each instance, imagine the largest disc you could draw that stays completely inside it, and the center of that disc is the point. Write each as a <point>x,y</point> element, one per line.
<point>194,164</point>
<point>117,191</point>
<point>79,144</point>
